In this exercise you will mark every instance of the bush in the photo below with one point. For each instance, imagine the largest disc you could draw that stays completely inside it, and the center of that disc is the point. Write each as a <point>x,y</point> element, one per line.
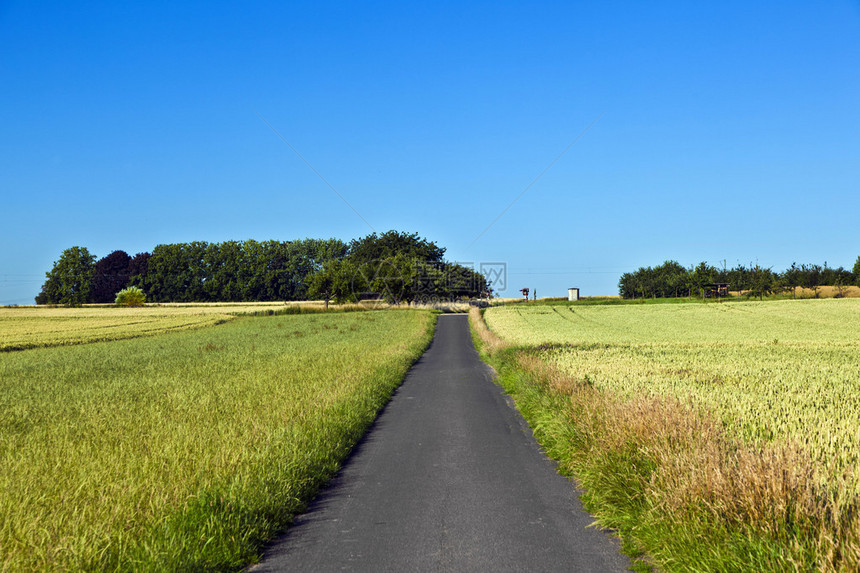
<point>131,296</point>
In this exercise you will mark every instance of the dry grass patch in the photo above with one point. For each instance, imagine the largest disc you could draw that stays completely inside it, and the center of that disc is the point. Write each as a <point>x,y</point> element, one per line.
<point>488,340</point>
<point>691,474</point>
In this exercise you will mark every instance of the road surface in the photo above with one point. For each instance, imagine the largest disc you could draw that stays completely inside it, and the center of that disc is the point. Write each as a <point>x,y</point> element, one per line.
<point>449,478</point>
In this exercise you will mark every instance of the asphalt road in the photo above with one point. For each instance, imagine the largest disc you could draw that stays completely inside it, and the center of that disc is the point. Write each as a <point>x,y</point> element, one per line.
<point>448,479</point>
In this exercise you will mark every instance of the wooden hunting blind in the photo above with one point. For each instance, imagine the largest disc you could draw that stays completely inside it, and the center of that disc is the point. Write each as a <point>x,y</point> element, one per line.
<point>715,290</point>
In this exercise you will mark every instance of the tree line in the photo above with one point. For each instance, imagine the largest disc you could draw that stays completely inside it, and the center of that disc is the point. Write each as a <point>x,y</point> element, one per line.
<point>395,266</point>
<point>671,279</point>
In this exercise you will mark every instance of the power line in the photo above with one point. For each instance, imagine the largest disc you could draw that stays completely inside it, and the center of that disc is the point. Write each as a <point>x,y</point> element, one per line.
<point>535,180</point>
<point>324,180</point>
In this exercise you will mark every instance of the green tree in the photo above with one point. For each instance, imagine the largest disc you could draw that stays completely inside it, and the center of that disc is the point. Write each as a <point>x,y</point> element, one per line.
<point>856,272</point>
<point>299,265</point>
<point>810,276</point>
<point>226,272</point>
<point>762,282</point>
<point>177,272</point>
<point>635,284</point>
<point>671,277</point>
<point>390,278</point>
<point>737,277</point>
<point>111,274</point>
<point>375,247</point>
<point>320,251</point>
<point>791,279</point>
<point>462,282</point>
<point>137,270</point>
<point>642,282</point>
<point>626,286</point>
<point>835,276</point>
<point>332,281</point>
<point>259,258</point>
<point>700,276</point>
<point>166,272</point>
<point>70,280</point>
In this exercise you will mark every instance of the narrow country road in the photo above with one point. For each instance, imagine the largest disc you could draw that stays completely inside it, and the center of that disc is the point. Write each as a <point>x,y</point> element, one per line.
<point>448,479</point>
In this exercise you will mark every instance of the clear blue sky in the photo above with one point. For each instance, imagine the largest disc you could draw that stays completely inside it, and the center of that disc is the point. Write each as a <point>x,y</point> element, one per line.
<point>726,131</point>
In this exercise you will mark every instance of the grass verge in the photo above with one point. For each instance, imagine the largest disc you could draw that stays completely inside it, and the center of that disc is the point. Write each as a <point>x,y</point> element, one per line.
<point>684,494</point>
<point>187,451</point>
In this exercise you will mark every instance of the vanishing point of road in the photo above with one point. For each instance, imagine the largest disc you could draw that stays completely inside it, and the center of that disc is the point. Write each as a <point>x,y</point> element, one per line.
<point>449,478</point>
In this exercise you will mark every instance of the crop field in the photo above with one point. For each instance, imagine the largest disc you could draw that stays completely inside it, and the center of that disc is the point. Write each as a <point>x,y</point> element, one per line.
<point>753,322</point>
<point>33,327</point>
<point>24,327</point>
<point>784,369</point>
<point>185,450</point>
<point>738,423</point>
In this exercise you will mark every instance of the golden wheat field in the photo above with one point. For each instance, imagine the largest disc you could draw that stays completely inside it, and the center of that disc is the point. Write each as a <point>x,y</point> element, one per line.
<point>782,370</point>
<point>33,327</point>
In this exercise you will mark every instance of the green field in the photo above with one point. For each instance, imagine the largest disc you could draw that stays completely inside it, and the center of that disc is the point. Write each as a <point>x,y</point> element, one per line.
<point>737,422</point>
<point>186,450</point>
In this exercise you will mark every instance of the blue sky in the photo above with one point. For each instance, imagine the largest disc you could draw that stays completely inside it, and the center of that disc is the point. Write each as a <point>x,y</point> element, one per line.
<point>725,131</point>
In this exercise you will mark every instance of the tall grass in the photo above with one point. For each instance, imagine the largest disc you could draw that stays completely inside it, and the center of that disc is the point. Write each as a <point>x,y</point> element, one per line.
<point>682,486</point>
<point>186,451</point>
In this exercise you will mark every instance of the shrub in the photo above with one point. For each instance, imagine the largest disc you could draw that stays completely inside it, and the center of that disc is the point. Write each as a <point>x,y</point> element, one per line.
<point>131,296</point>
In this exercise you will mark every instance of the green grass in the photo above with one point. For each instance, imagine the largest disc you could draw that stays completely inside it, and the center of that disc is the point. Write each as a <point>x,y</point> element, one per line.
<point>188,450</point>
